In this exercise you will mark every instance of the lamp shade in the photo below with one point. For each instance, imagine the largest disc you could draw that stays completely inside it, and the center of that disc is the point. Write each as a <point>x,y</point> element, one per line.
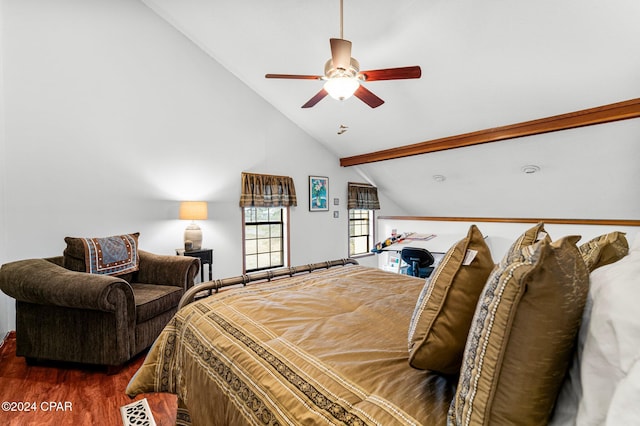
<point>193,210</point>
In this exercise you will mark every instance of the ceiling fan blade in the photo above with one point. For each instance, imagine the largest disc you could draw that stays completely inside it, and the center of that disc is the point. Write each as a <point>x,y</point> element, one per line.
<point>392,73</point>
<point>294,76</point>
<point>340,53</point>
<point>317,98</point>
<point>367,96</point>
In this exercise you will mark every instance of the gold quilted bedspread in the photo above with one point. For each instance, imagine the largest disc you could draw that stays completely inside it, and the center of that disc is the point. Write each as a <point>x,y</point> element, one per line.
<point>323,348</point>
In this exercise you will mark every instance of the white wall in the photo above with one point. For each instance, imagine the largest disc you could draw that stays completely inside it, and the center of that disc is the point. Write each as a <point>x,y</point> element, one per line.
<point>6,310</point>
<point>112,117</point>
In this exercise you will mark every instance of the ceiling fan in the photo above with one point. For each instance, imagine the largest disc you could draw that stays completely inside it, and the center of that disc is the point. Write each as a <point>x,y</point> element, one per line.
<point>343,77</point>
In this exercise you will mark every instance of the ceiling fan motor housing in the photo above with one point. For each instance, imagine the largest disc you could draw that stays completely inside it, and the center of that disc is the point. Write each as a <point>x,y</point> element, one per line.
<point>331,72</point>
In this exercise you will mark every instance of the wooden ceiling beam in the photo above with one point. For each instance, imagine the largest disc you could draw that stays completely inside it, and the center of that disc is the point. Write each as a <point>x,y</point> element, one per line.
<point>586,117</point>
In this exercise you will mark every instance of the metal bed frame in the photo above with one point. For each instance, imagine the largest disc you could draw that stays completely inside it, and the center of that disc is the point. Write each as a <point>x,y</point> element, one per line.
<point>267,275</point>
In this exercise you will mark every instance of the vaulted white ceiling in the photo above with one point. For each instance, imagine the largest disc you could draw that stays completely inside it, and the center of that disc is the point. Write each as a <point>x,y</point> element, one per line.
<point>484,64</point>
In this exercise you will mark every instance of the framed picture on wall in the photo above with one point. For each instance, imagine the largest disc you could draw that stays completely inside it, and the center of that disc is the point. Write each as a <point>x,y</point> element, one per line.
<point>318,193</point>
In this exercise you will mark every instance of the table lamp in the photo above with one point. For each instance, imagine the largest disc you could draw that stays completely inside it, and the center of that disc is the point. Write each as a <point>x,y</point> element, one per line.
<point>193,210</point>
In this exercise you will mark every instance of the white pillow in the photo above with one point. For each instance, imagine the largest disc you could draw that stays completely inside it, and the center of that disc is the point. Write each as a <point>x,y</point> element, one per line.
<point>624,408</point>
<point>636,243</point>
<point>570,395</point>
<point>612,343</point>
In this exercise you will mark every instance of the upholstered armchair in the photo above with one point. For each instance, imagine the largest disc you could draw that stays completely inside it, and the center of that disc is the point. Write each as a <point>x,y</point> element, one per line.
<point>81,317</point>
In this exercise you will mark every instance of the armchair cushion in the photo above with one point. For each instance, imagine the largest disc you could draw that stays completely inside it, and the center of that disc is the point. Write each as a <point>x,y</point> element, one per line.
<point>115,255</point>
<point>152,300</point>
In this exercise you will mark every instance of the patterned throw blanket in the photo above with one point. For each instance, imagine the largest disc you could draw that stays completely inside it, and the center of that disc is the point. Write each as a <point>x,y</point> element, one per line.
<point>115,255</point>
<point>323,348</point>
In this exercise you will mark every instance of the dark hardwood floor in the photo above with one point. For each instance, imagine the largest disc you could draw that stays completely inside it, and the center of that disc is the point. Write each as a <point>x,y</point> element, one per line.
<point>70,394</point>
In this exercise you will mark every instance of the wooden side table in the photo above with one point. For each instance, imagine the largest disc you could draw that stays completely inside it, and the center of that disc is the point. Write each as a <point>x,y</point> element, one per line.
<point>206,258</point>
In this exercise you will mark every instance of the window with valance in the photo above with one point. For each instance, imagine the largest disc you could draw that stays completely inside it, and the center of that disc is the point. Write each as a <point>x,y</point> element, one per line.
<point>362,200</point>
<point>265,202</point>
<point>267,191</point>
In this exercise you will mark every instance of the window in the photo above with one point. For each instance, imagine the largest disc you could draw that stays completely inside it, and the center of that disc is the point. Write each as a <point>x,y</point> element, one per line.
<point>362,201</point>
<point>265,238</point>
<point>360,231</point>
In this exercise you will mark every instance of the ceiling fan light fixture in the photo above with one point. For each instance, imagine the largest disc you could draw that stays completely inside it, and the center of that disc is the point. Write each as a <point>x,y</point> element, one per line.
<point>341,87</point>
<point>343,78</point>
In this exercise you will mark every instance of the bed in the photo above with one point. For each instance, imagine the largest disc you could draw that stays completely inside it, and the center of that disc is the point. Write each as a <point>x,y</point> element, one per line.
<point>336,345</point>
<point>308,349</point>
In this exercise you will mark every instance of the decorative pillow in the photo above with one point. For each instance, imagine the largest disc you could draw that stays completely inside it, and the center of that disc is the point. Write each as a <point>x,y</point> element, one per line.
<point>604,250</point>
<point>522,336</point>
<point>443,313</point>
<point>115,255</point>
<point>529,237</point>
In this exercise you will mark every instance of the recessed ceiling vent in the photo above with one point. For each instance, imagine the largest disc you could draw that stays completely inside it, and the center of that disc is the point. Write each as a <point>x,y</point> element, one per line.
<point>530,169</point>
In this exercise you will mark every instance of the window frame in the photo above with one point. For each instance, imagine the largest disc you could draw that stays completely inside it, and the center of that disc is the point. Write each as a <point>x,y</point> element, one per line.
<point>371,234</point>
<point>286,240</point>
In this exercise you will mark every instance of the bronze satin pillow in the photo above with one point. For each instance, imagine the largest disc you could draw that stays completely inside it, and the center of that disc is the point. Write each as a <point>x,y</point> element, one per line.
<point>92,255</point>
<point>443,313</point>
<point>530,236</point>
<point>604,250</point>
<point>522,337</point>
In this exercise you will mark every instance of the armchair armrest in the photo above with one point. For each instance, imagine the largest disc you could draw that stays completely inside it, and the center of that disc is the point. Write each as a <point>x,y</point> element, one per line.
<point>43,282</point>
<point>177,271</point>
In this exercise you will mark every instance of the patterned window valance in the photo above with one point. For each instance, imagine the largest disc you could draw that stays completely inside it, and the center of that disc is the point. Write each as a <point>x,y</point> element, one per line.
<point>267,191</point>
<point>363,196</point>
